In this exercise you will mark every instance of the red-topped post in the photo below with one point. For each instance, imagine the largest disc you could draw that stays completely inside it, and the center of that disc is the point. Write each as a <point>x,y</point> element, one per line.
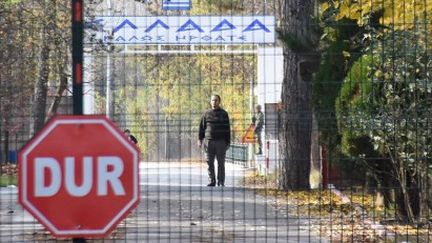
<point>77,56</point>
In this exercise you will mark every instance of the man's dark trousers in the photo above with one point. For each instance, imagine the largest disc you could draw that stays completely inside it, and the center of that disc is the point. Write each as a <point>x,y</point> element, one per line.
<point>216,148</point>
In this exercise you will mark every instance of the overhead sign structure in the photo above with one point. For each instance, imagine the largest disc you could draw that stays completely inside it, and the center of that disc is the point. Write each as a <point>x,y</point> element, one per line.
<point>176,4</point>
<point>182,30</point>
<point>79,176</point>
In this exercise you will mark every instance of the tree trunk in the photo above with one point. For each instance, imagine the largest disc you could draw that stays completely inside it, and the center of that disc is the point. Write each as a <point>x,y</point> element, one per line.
<point>296,114</point>
<point>405,187</point>
<point>6,144</point>
<point>427,189</point>
<point>316,180</point>
<point>7,101</point>
<point>2,100</point>
<point>52,111</point>
<point>424,191</point>
<point>63,79</point>
<point>41,87</point>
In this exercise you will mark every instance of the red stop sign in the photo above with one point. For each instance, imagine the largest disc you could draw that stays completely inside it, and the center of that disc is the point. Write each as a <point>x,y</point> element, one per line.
<point>79,176</point>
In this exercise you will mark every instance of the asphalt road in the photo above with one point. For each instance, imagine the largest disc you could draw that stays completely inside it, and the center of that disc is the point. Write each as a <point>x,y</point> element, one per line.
<point>176,206</point>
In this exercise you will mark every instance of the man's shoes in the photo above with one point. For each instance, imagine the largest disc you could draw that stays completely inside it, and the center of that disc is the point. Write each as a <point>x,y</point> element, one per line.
<point>212,184</point>
<point>221,184</point>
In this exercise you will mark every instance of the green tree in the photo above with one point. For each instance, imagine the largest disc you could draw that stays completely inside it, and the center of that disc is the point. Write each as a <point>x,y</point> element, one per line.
<point>387,103</point>
<point>342,42</point>
<point>156,91</point>
<point>398,15</point>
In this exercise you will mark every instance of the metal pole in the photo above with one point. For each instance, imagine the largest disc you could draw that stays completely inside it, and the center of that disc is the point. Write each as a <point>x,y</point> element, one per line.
<point>166,137</point>
<point>77,64</point>
<point>109,64</point>
<point>251,146</point>
<point>77,56</point>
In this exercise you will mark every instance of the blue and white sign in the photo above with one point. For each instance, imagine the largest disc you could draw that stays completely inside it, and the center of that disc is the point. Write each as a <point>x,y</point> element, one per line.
<point>184,29</point>
<point>176,4</point>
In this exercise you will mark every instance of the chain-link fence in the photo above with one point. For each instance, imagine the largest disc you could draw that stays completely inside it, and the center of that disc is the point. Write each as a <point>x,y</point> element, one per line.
<point>341,141</point>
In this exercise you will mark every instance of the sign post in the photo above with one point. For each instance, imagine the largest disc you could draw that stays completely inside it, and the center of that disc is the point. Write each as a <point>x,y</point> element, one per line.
<point>77,56</point>
<point>77,62</point>
<point>79,176</point>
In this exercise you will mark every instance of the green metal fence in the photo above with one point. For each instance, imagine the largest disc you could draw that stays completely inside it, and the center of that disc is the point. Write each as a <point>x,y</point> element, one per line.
<point>238,154</point>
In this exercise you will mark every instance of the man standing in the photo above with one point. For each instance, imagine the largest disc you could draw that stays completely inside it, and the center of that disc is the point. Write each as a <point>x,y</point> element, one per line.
<point>258,121</point>
<point>215,134</point>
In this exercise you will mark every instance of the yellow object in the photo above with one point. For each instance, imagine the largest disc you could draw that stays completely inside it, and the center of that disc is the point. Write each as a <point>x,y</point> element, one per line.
<point>249,137</point>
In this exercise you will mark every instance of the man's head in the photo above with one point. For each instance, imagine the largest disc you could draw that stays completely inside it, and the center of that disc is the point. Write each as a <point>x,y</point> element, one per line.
<point>127,132</point>
<point>215,101</point>
<point>258,108</point>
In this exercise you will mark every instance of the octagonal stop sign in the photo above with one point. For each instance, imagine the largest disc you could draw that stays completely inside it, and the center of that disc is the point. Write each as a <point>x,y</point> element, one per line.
<point>79,176</point>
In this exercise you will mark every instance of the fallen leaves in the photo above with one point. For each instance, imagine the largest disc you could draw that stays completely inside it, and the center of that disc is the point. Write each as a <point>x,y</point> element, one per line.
<point>354,218</point>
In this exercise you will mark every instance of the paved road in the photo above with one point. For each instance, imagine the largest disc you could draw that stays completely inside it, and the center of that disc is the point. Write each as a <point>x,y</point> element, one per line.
<point>176,207</point>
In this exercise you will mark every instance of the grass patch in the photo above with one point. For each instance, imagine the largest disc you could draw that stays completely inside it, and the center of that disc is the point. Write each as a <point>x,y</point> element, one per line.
<point>8,174</point>
<point>7,180</point>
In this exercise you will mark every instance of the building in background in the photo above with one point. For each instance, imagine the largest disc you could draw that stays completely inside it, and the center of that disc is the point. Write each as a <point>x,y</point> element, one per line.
<point>268,93</point>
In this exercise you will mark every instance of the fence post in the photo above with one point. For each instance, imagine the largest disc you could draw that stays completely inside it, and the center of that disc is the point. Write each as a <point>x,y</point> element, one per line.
<point>77,56</point>
<point>77,64</point>
<point>267,156</point>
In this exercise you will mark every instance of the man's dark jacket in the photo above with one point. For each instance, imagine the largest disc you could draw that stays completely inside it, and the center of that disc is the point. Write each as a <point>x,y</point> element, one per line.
<point>215,125</point>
